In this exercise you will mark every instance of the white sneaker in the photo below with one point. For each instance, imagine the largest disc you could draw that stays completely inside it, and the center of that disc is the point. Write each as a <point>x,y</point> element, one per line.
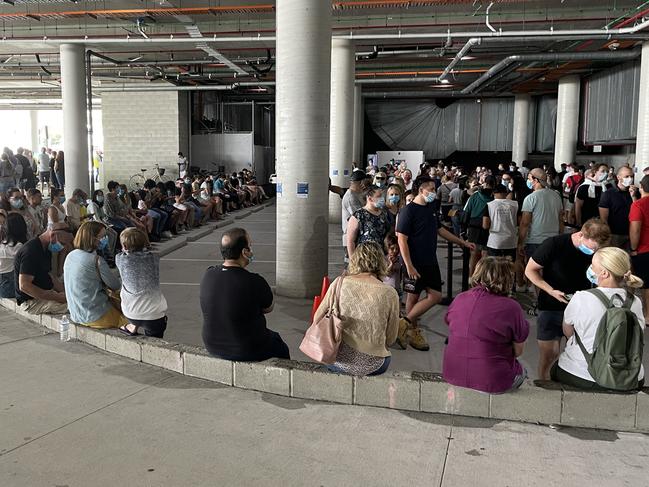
<point>167,234</point>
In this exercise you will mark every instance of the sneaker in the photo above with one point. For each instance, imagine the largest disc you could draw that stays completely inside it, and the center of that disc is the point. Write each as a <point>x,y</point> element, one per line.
<point>167,234</point>
<point>402,335</point>
<point>417,339</point>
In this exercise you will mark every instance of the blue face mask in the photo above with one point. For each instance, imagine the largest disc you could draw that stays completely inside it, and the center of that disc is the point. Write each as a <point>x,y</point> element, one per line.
<point>100,199</point>
<point>17,204</point>
<point>394,199</point>
<point>120,192</point>
<point>380,203</point>
<point>585,250</point>
<point>62,199</point>
<point>250,257</point>
<point>590,274</point>
<point>55,247</point>
<point>530,184</point>
<point>430,197</point>
<point>103,242</point>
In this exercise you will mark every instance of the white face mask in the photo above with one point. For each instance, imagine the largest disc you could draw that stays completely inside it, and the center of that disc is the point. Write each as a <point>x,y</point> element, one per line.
<point>628,181</point>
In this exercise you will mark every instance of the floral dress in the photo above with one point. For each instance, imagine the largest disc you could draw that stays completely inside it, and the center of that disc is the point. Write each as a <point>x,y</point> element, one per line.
<point>371,228</point>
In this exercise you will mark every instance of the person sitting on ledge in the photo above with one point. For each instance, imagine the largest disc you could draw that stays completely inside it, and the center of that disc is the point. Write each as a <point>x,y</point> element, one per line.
<point>610,271</point>
<point>142,300</point>
<point>14,235</point>
<point>86,277</point>
<point>234,302</point>
<point>487,331</point>
<point>370,308</point>
<point>37,291</point>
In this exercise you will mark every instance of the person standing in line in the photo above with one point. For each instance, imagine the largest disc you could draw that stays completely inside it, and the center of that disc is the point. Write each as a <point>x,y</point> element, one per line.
<point>59,169</point>
<point>28,179</point>
<point>639,240</point>
<point>44,168</point>
<point>541,216</point>
<point>615,205</point>
<point>558,269</point>
<point>352,201</point>
<point>589,194</point>
<point>417,231</point>
<point>370,223</point>
<point>473,213</point>
<point>500,220</point>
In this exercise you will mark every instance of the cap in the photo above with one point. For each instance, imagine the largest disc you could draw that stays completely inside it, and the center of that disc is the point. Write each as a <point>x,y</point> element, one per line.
<point>358,175</point>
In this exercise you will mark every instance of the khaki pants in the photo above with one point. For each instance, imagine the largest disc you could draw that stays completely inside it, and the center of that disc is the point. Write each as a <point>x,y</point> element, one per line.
<point>44,307</point>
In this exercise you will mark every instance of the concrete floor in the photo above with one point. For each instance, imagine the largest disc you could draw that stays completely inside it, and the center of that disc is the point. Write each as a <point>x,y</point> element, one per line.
<point>72,415</point>
<point>182,270</point>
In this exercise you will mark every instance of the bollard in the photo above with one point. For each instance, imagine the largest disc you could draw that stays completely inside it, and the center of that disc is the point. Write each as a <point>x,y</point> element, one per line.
<point>466,256</point>
<point>449,276</point>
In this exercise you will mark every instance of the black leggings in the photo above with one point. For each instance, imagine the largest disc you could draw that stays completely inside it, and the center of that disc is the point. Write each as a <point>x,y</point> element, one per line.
<point>557,374</point>
<point>152,328</point>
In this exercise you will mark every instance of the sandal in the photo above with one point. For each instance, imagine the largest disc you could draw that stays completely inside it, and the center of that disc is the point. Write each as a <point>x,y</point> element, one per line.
<point>126,331</point>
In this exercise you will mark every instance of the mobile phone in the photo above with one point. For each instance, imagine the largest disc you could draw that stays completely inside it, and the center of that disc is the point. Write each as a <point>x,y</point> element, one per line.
<point>568,296</point>
<point>409,285</point>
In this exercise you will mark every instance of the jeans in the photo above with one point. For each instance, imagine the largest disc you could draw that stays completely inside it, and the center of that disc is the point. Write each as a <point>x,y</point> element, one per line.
<point>119,224</point>
<point>156,221</point>
<point>7,285</point>
<point>162,222</point>
<point>60,178</point>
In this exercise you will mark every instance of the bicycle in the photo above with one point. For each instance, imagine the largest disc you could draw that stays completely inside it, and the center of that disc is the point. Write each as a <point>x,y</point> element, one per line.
<point>136,181</point>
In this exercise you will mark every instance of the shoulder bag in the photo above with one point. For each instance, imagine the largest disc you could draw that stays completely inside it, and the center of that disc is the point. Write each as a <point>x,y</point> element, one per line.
<point>322,340</point>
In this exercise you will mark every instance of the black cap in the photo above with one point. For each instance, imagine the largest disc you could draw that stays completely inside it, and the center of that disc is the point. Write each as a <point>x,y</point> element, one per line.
<point>358,175</point>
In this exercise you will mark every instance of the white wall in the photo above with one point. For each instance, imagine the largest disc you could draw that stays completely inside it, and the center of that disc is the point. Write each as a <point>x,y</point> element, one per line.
<point>234,151</point>
<point>413,158</point>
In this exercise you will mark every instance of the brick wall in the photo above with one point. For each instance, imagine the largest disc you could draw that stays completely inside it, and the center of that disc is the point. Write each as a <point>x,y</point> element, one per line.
<point>140,130</point>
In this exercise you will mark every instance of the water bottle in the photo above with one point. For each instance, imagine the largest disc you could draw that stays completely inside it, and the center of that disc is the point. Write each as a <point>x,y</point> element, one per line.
<point>65,329</point>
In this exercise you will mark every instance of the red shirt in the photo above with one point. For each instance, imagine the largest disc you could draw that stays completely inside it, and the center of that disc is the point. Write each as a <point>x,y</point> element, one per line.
<point>640,213</point>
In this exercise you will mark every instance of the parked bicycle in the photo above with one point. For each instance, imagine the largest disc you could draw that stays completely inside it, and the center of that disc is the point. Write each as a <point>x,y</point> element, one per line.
<point>137,180</point>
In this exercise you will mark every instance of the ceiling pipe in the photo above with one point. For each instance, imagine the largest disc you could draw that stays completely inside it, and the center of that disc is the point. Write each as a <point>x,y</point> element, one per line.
<point>548,57</point>
<point>354,37</point>
<point>387,81</point>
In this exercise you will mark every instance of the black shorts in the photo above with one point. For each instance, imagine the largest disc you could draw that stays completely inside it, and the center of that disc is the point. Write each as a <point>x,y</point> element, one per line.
<point>640,266</point>
<point>549,325</point>
<point>430,278</point>
<point>511,253</point>
<point>478,236</point>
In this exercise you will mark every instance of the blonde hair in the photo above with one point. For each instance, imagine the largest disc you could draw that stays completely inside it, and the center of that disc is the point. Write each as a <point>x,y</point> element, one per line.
<point>87,236</point>
<point>134,240</point>
<point>368,257</point>
<point>496,274</point>
<point>618,263</point>
<point>402,194</point>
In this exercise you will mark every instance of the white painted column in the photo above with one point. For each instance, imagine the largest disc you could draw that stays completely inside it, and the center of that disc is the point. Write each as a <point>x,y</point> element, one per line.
<point>33,125</point>
<point>642,135</point>
<point>341,129</point>
<point>565,142</point>
<point>521,120</point>
<point>359,126</point>
<point>303,69</point>
<point>75,119</point>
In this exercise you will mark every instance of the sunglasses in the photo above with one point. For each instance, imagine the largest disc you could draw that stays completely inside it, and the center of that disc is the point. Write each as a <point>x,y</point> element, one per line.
<point>380,179</point>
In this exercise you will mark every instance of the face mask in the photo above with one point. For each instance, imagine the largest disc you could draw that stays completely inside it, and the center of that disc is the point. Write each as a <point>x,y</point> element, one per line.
<point>602,177</point>
<point>188,181</point>
<point>530,184</point>
<point>100,199</point>
<point>626,182</point>
<point>590,274</point>
<point>250,257</point>
<point>430,197</point>
<point>394,199</point>
<point>17,204</point>
<point>585,250</point>
<point>62,199</point>
<point>103,242</point>
<point>81,200</point>
<point>120,192</point>
<point>380,184</point>
<point>380,203</point>
<point>204,195</point>
<point>512,168</point>
<point>55,247</point>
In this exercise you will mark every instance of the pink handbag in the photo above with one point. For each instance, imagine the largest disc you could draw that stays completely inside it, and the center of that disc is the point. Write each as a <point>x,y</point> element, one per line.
<point>322,339</point>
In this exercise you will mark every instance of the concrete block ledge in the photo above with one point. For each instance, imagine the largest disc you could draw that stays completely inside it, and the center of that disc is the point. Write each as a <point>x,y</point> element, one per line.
<point>535,402</point>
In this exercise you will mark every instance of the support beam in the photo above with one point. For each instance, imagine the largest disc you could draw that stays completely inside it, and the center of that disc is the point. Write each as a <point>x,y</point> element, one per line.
<point>75,121</point>
<point>565,145</point>
<point>642,135</point>
<point>521,117</point>
<point>33,125</point>
<point>302,145</point>
<point>341,130</point>
<point>359,126</point>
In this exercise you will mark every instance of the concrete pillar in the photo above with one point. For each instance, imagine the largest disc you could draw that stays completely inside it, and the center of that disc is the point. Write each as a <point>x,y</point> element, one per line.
<point>303,69</point>
<point>642,136</point>
<point>33,125</point>
<point>521,117</point>
<point>359,126</point>
<point>75,118</point>
<point>341,129</point>
<point>565,142</point>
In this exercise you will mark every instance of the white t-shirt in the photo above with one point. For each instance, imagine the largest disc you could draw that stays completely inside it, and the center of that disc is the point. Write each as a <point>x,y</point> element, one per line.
<point>43,162</point>
<point>7,256</point>
<point>455,197</point>
<point>584,312</point>
<point>503,233</point>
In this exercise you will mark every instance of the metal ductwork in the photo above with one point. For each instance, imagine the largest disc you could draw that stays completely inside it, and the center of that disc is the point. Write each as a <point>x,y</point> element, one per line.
<point>615,56</point>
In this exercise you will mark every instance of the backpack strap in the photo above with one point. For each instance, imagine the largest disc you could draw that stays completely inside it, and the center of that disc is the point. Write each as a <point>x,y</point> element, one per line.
<point>628,302</point>
<point>587,356</point>
<point>602,297</point>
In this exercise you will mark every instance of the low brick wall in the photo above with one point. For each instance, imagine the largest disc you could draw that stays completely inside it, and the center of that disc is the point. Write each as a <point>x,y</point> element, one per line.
<point>539,402</point>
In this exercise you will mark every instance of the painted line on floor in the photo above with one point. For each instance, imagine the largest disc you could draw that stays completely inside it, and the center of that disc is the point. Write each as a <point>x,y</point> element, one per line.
<point>217,243</point>
<point>217,261</point>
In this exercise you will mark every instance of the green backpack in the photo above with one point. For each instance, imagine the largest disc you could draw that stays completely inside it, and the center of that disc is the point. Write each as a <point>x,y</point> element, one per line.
<point>617,349</point>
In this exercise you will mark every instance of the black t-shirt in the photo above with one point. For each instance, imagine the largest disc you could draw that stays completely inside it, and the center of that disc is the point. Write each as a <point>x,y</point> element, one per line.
<point>420,224</point>
<point>234,326</point>
<point>33,260</point>
<point>590,209</point>
<point>564,268</point>
<point>618,204</point>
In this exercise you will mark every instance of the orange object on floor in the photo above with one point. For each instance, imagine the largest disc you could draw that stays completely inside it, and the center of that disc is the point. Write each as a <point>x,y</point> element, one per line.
<point>325,286</point>
<point>316,304</point>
